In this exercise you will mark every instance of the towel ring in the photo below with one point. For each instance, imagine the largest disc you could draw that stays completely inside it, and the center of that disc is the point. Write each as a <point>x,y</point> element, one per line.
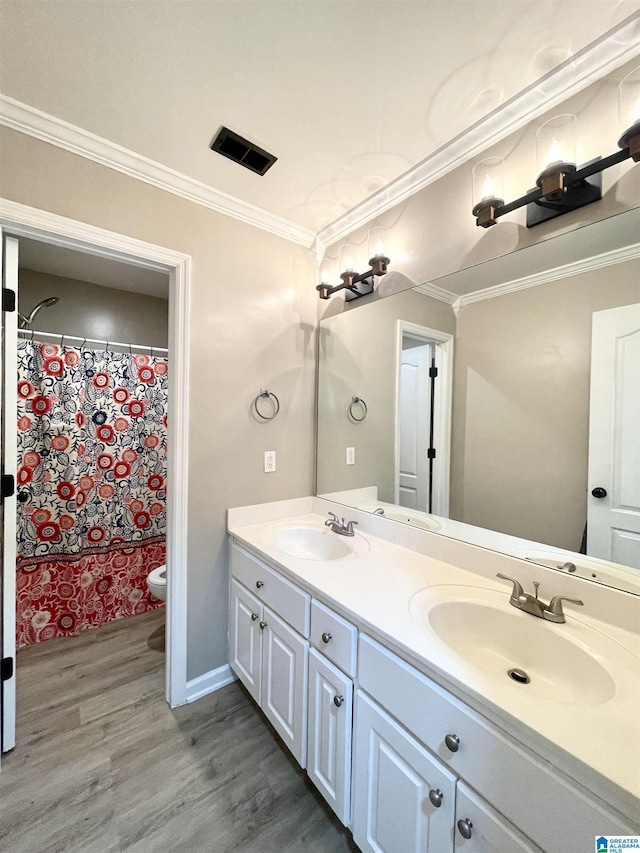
<point>266,394</point>
<point>354,402</point>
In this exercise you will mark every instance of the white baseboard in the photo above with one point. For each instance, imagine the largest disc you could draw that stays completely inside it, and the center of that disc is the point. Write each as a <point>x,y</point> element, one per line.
<point>209,682</point>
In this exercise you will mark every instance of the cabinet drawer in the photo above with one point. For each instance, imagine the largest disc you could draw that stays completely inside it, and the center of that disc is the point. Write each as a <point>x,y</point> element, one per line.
<point>335,637</point>
<point>289,602</point>
<point>515,782</point>
<point>484,830</point>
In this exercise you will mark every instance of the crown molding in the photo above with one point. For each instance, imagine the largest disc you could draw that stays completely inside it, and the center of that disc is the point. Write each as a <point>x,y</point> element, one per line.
<point>436,292</point>
<point>589,65</point>
<point>606,259</point>
<point>48,128</point>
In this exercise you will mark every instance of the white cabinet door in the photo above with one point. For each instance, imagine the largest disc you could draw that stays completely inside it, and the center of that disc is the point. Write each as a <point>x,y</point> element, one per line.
<point>245,638</point>
<point>487,831</point>
<point>404,799</point>
<point>284,683</point>
<point>329,736</point>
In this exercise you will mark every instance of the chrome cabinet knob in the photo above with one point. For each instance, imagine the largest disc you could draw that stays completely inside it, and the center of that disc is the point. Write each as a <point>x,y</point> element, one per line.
<point>263,625</point>
<point>452,742</point>
<point>464,827</point>
<point>254,616</point>
<point>338,700</point>
<point>326,637</point>
<point>259,584</point>
<point>435,797</point>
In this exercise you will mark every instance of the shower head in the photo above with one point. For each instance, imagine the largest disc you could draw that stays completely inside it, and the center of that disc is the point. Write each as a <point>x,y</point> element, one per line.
<point>45,303</point>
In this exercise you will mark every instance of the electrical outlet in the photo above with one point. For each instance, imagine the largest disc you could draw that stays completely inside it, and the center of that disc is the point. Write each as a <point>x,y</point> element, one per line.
<point>269,461</point>
<point>351,456</point>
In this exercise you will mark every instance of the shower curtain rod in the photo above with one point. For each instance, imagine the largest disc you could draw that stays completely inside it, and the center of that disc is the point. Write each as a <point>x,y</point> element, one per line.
<point>30,335</point>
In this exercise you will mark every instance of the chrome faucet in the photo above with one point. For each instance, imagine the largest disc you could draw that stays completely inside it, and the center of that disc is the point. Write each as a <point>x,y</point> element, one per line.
<point>339,526</point>
<point>552,612</point>
<point>379,511</point>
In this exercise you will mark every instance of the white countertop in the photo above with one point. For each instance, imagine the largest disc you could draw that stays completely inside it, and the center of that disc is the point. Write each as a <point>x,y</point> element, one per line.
<point>597,745</point>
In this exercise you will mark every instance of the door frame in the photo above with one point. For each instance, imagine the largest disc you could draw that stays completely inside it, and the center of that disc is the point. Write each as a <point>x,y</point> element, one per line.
<point>19,220</point>
<point>442,405</point>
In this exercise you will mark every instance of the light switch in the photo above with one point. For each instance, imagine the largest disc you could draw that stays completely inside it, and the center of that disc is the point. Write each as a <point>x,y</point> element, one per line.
<point>351,456</point>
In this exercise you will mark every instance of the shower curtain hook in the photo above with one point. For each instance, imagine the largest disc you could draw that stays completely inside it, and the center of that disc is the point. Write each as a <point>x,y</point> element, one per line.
<point>151,348</point>
<point>84,341</point>
<point>130,350</point>
<point>32,334</point>
<point>107,346</point>
<point>61,341</point>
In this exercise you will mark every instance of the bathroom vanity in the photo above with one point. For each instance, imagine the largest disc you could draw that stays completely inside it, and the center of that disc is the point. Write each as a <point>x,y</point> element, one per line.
<point>385,662</point>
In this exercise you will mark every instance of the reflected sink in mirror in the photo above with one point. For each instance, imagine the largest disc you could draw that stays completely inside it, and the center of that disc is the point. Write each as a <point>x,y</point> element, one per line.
<point>399,513</point>
<point>310,542</point>
<point>569,663</point>
<point>585,567</point>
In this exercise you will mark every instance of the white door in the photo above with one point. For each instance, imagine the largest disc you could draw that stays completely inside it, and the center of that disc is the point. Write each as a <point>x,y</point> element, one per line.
<point>414,408</point>
<point>245,638</point>
<point>479,829</point>
<point>284,683</point>
<point>613,519</point>
<point>8,409</point>
<point>404,799</point>
<point>329,735</point>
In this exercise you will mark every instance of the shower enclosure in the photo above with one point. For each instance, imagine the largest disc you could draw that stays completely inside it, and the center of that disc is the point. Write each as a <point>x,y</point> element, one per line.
<point>92,438</point>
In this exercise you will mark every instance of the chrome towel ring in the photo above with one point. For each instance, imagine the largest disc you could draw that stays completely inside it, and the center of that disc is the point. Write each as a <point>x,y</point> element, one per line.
<point>358,401</point>
<point>276,405</point>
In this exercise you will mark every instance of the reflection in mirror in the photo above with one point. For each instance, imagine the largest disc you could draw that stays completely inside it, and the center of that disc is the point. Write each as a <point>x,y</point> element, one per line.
<point>527,440</point>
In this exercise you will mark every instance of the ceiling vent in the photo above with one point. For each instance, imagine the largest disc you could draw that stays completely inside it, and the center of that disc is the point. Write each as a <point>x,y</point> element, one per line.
<point>241,151</point>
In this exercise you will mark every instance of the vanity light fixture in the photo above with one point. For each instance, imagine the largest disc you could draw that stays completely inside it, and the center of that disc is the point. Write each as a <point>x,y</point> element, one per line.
<point>356,284</point>
<point>561,186</point>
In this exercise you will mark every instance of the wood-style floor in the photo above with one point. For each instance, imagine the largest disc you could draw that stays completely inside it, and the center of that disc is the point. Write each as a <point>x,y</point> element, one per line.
<point>103,765</point>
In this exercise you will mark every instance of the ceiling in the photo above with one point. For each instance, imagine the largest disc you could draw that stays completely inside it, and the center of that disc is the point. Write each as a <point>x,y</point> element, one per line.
<point>348,94</point>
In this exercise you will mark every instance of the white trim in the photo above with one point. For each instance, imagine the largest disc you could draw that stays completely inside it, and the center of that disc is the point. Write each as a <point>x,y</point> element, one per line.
<point>443,405</point>
<point>437,292</point>
<point>587,66</point>
<point>23,221</point>
<point>607,259</point>
<point>209,682</point>
<point>27,119</point>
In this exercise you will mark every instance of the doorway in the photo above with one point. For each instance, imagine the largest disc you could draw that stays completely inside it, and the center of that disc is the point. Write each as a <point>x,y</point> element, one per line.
<point>423,418</point>
<point>20,221</point>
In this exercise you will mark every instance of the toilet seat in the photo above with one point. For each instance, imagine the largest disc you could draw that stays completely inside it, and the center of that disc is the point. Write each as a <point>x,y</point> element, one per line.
<point>159,575</point>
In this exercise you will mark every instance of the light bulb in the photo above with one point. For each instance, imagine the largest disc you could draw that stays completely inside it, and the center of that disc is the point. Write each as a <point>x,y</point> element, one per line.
<point>555,152</point>
<point>324,276</point>
<point>488,188</point>
<point>636,112</point>
<point>349,267</point>
<point>379,248</point>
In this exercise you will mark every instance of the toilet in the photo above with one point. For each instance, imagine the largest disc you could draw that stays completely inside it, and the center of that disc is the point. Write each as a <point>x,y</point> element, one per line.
<point>157,582</point>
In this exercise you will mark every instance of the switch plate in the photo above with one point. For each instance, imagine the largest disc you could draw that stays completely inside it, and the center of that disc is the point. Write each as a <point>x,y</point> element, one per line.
<point>269,461</point>
<point>351,456</point>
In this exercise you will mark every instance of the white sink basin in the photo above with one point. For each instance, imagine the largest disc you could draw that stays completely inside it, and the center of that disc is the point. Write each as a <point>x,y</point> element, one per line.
<point>582,566</point>
<point>316,543</point>
<point>407,516</point>
<point>569,663</point>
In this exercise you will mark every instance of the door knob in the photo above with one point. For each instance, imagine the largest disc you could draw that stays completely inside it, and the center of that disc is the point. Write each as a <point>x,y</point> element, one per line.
<point>452,742</point>
<point>263,625</point>
<point>326,637</point>
<point>338,700</point>
<point>259,584</point>
<point>254,616</point>
<point>435,797</point>
<point>599,492</point>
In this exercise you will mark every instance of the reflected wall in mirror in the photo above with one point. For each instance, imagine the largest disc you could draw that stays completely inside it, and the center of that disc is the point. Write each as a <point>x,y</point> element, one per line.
<point>516,477</point>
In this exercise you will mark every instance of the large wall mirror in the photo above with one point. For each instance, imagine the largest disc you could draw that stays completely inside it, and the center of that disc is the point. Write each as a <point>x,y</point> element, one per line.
<point>512,422</point>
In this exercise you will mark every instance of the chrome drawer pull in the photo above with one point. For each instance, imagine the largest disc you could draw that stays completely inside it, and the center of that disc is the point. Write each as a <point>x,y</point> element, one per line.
<point>452,742</point>
<point>263,625</point>
<point>326,637</point>
<point>464,827</point>
<point>254,616</point>
<point>435,796</point>
<point>259,584</point>
<point>338,700</point>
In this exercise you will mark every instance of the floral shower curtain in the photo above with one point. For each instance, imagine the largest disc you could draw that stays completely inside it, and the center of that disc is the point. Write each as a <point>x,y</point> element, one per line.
<point>92,439</point>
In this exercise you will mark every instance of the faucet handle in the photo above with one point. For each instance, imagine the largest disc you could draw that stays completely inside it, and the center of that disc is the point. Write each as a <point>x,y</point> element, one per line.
<point>350,527</point>
<point>555,605</point>
<point>517,588</point>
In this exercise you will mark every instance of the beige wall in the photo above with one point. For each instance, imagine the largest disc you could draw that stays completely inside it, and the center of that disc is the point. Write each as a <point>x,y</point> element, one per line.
<point>252,326</point>
<point>358,358</point>
<point>521,405</point>
<point>89,311</point>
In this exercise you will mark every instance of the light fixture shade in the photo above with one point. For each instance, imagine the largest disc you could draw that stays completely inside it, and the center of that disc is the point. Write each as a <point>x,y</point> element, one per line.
<point>488,181</point>
<point>629,105</point>
<point>349,257</point>
<point>378,242</point>
<point>556,142</point>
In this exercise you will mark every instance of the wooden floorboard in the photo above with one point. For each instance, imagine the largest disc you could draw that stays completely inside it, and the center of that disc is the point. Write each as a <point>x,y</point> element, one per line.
<point>103,765</point>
